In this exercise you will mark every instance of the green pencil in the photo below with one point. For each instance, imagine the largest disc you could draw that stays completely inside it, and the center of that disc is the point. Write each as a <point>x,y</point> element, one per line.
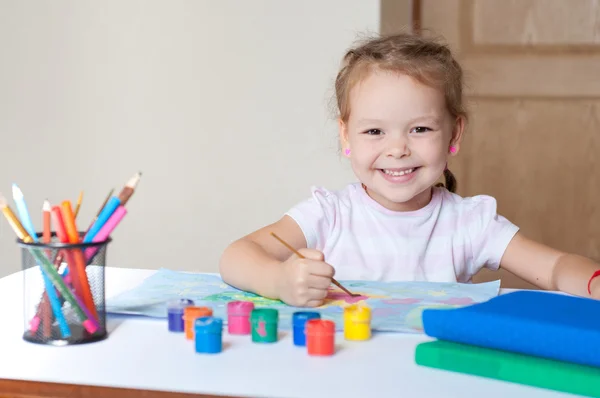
<point>87,320</point>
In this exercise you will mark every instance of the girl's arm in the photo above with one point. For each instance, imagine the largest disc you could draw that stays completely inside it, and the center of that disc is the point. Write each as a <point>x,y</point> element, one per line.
<point>550,269</point>
<point>253,263</point>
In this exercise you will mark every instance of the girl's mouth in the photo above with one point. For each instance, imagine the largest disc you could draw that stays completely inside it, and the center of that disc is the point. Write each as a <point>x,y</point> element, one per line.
<point>398,172</point>
<point>399,175</point>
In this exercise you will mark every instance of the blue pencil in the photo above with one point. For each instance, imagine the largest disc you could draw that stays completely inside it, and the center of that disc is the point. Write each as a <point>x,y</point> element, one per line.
<point>28,225</point>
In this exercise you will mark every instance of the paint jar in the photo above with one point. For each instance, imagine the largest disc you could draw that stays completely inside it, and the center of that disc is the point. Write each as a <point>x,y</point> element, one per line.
<point>357,322</point>
<point>208,335</point>
<point>238,317</point>
<point>175,314</point>
<point>320,337</point>
<point>190,314</point>
<point>299,319</point>
<point>264,323</point>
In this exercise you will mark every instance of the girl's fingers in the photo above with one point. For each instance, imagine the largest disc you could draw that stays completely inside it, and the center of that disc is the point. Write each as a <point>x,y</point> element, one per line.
<point>317,294</point>
<point>314,303</point>
<point>319,282</point>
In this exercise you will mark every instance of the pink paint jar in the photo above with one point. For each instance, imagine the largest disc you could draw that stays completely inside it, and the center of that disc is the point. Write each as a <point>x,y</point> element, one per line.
<point>238,317</point>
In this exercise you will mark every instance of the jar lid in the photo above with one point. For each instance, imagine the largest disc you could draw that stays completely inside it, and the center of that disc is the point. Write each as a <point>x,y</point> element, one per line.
<point>358,313</point>
<point>320,326</point>
<point>299,318</point>
<point>268,315</point>
<point>177,306</point>
<point>193,312</point>
<point>240,307</point>
<point>208,324</point>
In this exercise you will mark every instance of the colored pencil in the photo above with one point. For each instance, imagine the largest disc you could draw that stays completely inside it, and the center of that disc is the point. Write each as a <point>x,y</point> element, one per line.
<point>79,261</point>
<point>61,233</point>
<point>78,205</point>
<point>46,311</point>
<point>60,257</point>
<point>111,206</point>
<point>101,208</point>
<point>105,232</point>
<point>44,305</point>
<point>47,234</point>
<point>301,256</point>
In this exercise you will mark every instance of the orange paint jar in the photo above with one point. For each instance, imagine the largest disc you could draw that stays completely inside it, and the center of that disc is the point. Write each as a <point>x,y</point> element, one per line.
<point>190,314</point>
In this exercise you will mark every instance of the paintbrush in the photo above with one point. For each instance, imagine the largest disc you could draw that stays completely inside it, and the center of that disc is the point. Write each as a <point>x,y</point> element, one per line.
<point>301,256</point>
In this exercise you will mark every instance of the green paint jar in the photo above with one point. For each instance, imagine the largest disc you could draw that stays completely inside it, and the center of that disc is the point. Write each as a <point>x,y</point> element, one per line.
<point>264,323</point>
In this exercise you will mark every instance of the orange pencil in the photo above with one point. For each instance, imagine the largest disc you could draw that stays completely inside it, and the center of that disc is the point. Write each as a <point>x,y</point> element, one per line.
<point>79,259</point>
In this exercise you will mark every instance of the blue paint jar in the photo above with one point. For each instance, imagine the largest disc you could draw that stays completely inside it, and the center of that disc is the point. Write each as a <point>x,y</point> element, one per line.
<point>208,333</point>
<point>299,319</point>
<point>175,314</point>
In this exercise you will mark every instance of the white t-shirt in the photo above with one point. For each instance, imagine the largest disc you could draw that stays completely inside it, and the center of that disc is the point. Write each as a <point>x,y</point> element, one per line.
<point>448,240</point>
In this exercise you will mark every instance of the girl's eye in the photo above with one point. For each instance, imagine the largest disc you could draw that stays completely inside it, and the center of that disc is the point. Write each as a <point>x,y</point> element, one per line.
<point>420,129</point>
<point>373,132</point>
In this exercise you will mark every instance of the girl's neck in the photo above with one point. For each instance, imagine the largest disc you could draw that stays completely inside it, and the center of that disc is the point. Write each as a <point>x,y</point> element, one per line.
<point>416,203</point>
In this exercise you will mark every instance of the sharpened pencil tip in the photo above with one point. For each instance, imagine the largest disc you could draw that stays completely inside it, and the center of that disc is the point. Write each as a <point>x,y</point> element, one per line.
<point>17,194</point>
<point>46,206</point>
<point>133,181</point>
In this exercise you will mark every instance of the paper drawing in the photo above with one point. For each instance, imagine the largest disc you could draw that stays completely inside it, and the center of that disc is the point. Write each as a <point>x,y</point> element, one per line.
<point>395,306</point>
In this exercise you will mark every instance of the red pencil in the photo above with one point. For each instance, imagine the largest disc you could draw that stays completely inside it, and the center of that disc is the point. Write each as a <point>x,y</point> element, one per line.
<point>61,232</point>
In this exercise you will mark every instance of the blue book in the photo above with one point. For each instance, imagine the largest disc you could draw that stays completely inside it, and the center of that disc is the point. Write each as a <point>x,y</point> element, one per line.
<point>543,324</point>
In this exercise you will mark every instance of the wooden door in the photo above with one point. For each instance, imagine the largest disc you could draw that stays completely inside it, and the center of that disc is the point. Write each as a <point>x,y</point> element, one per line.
<point>533,141</point>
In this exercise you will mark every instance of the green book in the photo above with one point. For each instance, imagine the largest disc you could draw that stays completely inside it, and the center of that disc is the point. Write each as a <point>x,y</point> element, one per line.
<point>508,366</point>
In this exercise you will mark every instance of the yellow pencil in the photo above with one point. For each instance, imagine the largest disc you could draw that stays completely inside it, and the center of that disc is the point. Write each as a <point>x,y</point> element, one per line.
<point>14,222</point>
<point>78,205</point>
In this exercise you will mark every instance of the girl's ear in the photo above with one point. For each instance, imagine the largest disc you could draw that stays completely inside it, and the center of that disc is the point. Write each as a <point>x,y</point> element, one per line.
<point>457,135</point>
<point>343,132</point>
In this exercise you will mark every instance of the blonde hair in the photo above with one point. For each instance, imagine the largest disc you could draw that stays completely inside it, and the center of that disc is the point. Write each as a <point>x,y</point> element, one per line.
<point>424,59</point>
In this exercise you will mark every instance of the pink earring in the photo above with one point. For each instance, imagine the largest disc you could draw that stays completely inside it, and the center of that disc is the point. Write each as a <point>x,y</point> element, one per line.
<point>347,151</point>
<point>452,149</point>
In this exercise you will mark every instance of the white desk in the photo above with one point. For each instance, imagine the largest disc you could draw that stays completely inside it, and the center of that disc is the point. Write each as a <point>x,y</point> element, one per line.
<point>140,353</point>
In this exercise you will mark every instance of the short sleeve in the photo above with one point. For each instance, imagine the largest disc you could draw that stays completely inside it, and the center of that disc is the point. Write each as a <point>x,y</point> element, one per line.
<point>315,216</point>
<point>490,233</point>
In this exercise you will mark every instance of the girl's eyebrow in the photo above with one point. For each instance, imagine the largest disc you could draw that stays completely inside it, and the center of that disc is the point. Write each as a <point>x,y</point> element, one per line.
<point>360,122</point>
<point>426,118</point>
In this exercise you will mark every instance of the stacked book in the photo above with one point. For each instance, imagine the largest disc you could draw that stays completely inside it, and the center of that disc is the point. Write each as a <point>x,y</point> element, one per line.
<point>543,339</point>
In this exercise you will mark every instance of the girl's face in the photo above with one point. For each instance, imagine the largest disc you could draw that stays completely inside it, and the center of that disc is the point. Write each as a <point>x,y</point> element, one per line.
<point>399,133</point>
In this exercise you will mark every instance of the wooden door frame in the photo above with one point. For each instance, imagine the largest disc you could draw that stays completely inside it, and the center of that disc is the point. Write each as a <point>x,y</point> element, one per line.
<point>399,15</point>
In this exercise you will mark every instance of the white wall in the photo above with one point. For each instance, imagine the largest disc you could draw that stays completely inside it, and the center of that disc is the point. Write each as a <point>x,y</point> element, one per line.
<point>223,105</point>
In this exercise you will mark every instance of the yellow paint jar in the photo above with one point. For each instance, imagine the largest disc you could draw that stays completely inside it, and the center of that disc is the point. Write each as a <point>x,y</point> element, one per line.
<point>357,322</point>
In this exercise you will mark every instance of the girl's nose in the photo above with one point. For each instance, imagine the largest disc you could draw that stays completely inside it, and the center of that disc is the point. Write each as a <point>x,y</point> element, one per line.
<point>398,147</point>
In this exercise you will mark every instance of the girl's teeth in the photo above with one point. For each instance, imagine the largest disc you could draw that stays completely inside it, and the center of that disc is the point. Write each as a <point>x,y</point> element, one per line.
<point>398,173</point>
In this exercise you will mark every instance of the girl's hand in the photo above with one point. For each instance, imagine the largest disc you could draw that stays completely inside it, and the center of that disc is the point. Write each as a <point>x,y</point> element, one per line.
<point>304,282</point>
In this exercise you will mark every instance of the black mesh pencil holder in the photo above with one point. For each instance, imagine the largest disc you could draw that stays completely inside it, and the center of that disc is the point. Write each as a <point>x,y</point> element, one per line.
<point>63,291</point>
